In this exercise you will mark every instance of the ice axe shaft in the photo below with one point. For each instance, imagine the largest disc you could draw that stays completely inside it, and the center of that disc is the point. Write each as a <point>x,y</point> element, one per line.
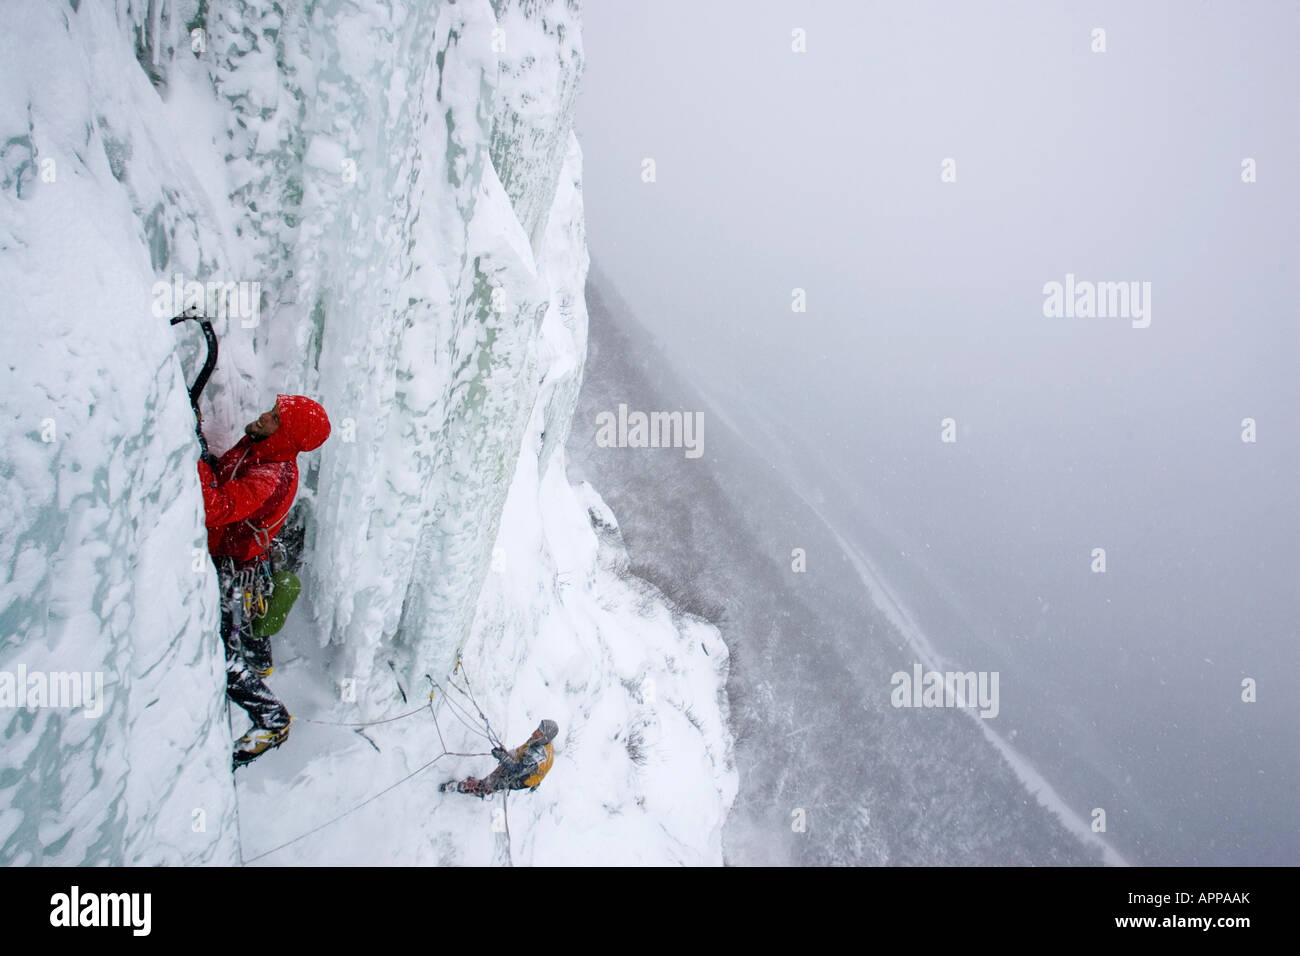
<point>204,374</point>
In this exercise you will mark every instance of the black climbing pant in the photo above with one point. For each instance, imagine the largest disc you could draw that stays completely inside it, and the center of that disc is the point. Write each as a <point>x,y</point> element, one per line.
<point>499,779</point>
<point>244,651</point>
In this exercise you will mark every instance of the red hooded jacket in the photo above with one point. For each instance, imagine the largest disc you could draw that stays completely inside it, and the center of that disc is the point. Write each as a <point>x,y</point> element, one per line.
<point>247,501</point>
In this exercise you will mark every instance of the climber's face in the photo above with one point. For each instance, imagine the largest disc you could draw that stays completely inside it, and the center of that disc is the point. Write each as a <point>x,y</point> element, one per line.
<point>265,426</point>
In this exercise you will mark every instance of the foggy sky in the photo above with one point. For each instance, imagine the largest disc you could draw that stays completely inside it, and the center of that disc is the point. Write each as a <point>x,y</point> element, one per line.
<point>821,170</point>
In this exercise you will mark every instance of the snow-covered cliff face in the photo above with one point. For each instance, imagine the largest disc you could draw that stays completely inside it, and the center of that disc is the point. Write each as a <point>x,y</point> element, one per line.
<point>396,189</point>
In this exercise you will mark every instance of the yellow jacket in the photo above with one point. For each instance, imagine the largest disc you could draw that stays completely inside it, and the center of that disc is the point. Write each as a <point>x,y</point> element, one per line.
<point>530,756</point>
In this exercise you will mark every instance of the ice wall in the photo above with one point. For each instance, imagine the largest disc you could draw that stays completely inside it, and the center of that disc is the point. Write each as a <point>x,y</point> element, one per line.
<point>399,187</point>
<point>101,530</point>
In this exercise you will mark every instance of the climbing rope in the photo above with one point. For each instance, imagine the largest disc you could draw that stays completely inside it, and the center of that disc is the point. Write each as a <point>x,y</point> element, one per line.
<point>390,787</point>
<point>239,832</point>
<point>365,723</point>
<point>469,693</point>
<point>458,711</point>
<point>346,813</point>
<point>505,816</point>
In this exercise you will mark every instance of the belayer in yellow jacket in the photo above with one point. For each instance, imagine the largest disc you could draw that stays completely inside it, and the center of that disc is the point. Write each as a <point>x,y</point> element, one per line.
<point>520,769</point>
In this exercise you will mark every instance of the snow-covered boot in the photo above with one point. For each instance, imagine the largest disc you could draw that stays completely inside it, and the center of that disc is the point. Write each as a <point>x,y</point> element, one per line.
<point>258,741</point>
<point>469,785</point>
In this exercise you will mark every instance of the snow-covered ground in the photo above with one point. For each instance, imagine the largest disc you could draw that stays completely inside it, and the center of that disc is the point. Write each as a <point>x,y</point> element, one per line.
<point>397,190</point>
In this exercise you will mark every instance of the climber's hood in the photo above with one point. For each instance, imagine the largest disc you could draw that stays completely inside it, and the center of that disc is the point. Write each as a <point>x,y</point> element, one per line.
<point>304,426</point>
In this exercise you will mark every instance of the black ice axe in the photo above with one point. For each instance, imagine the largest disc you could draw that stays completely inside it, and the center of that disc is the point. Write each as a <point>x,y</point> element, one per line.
<point>197,388</point>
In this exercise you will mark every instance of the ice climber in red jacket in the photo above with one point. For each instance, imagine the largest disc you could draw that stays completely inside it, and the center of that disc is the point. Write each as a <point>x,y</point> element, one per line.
<point>246,498</point>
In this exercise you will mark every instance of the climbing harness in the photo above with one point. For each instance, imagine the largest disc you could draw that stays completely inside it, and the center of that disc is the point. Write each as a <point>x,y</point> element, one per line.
<point>246,588</point>
<point>261,535</point>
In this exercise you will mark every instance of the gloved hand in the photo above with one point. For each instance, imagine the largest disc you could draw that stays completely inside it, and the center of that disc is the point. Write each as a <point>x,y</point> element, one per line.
<point>499,753</point>
<point>206,478</point>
